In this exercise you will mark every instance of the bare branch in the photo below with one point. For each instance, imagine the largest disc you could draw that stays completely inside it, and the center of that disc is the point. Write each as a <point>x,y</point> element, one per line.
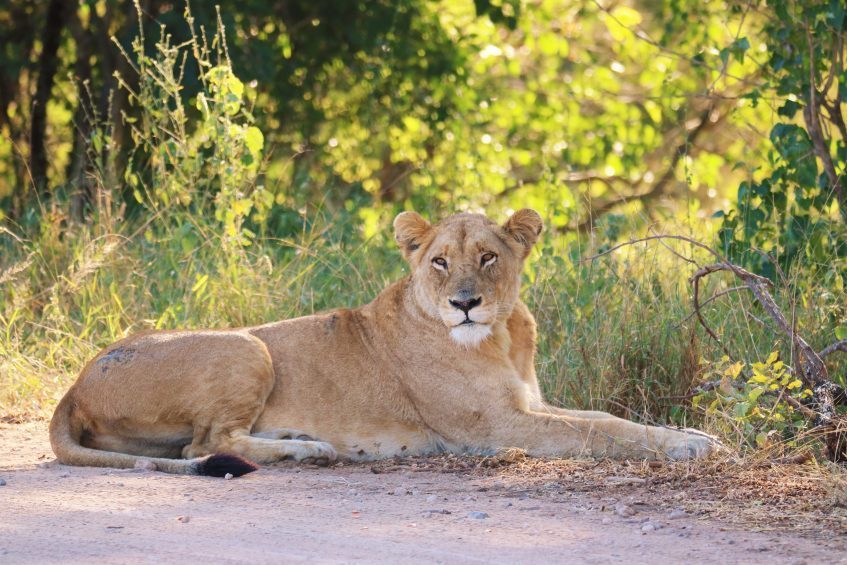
<point>674,251</point>
<point>814,371</point>
<point>826,395</point>
<point>660,188</point>
<point>837,346</point>
<point>712,299</point>
<point>805,410</point>
<point>695,281</point>
<point>693,242</point>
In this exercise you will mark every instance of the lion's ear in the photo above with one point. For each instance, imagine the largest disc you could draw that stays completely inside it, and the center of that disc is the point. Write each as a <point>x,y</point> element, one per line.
<point>525,226</point>
<point>409,229</point>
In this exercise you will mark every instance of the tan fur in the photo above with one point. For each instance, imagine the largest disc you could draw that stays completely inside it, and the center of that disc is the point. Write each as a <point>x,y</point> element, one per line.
<point>399,376</point>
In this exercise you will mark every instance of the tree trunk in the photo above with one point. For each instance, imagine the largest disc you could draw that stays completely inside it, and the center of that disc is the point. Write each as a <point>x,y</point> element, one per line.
<point>80,192</point>
<point>47,64</point>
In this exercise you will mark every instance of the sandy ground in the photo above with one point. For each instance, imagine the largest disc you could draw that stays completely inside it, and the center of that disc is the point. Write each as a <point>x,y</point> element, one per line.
<point>442,510</point>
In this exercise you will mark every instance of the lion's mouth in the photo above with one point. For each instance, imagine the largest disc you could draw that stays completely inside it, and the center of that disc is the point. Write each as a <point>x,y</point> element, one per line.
<point>467,321</point>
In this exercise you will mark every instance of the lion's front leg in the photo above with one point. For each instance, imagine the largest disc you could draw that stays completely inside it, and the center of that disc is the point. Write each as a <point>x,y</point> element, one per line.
<point>544,408</point>
<point>552,435</point>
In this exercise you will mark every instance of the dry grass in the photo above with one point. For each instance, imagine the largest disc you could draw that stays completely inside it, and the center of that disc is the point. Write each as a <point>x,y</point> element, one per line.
<point>808,498</point>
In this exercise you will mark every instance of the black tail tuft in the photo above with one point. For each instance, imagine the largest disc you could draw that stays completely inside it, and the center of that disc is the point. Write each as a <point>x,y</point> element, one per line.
<point>220,464</point>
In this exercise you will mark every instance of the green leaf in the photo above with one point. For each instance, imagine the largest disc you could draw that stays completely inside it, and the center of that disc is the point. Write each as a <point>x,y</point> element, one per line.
<point>739,47</point>
<point>740,410</point>
<point>754,394</point>
<point>255,141</point>
<point>788,109</point>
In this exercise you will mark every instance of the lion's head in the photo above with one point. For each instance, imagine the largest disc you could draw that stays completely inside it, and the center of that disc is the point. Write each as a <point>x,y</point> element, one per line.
<point>466,269</point>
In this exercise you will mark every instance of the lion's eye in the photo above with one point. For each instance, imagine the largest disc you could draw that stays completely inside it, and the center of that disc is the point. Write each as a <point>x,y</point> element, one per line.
<point>487,259</point>
<point>440,263</point>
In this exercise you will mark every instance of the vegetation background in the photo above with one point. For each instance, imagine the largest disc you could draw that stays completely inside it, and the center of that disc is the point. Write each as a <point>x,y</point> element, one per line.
<point>170,165</point>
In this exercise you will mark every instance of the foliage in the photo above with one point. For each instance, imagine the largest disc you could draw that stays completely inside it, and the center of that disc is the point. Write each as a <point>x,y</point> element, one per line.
<point>752,408</point>
<point>796,208</point>
<point>208,165</point>
<point>578,107</point>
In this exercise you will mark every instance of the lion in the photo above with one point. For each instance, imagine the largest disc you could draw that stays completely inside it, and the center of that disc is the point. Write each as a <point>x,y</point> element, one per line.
<point>440,361</point>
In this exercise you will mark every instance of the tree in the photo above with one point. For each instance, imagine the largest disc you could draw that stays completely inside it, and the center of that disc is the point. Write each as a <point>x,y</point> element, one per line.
<point>798,208</point>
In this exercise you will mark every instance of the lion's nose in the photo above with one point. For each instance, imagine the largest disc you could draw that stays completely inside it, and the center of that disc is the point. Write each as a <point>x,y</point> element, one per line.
<point>466,305</point>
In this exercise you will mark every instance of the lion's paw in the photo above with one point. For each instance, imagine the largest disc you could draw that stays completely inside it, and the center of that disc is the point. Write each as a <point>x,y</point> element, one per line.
<point>692,444</point>
<point>316,452</point>
<point>284,433</point>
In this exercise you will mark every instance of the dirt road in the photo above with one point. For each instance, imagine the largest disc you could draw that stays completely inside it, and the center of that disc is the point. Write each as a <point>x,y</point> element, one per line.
<point>443,512</point>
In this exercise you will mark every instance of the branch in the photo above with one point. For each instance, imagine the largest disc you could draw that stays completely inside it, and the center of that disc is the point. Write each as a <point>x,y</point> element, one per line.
<point>572,177</point>
<point>695,281</point>
<point>711,299</point>
<point>837,346</point>
<point>814,371</point>
<point>693,242</point>
<point>826,395</point>
<point>661,186</point>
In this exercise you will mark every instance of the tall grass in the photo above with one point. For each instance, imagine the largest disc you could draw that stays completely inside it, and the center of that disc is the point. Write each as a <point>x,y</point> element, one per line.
<point>200,246</point>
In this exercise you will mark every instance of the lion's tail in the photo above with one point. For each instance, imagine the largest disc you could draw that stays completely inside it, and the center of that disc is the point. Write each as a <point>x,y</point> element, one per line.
<point>66,432</point>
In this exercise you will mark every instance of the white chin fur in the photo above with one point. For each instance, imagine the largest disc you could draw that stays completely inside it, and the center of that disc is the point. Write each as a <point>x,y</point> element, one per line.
<point>470,335</point>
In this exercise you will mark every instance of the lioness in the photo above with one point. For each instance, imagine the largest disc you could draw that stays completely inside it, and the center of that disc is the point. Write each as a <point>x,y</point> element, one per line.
<point>440,361</point>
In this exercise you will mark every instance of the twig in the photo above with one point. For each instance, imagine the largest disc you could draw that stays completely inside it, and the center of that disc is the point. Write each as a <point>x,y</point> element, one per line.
<point>837,346</point>
<point>651,238</point>
<point>805,410</point>
<point>695,281</point>
<point>712,299</point>
<point>674,251</point>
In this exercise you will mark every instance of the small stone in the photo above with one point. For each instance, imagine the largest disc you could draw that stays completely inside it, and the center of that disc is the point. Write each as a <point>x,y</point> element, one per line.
<point>625,480</point>
<point>183,519</point>
<point>429,513</point>
<point>761,547</point>
<point>431,498</point>
<point>677,514</point>
<point>228,476</point>
<point>648,527</point>
<point>606,520</point>
<point>2,483</point>
<point>476,515</point>
<point>624,510</point>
